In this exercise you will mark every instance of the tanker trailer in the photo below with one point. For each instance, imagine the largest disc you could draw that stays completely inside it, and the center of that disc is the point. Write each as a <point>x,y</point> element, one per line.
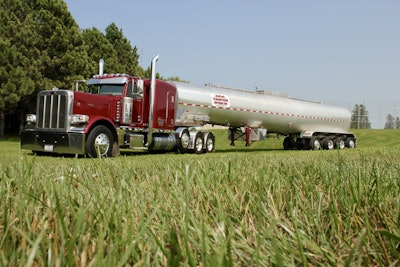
<point>251,115</point>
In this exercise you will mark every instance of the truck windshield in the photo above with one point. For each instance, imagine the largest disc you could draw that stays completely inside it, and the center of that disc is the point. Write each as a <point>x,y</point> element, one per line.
<point>111,89</point>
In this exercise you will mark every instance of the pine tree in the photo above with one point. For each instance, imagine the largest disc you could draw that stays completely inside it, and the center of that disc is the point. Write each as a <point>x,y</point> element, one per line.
<point>98,47</point>
<point>359,118</point>
<point>390,122</point>
<point>114,48</point>
<point>62,53</point>
<point>127,56</point>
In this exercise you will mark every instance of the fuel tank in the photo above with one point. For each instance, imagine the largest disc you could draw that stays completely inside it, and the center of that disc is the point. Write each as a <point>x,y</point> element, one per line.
<point>241,108</point>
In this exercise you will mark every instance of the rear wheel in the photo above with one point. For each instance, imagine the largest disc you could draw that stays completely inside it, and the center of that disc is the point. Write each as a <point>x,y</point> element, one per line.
<point>210,143</point>
<point>198,143</point>
<point>350,142</point>
<point>99,142</point>
<point>340,144</point>
<point>315,144</point>
<point>327,143</point>
<point>40,153</point>
<point>287,143</point>
<point>183,141</point>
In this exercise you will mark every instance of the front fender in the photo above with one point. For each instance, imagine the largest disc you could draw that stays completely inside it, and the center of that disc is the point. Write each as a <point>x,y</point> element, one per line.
<point>118,137</point>
<point>99,120</point>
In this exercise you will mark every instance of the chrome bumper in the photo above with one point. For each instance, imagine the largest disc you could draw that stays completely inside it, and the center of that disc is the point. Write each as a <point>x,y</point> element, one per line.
<point>53,142</point>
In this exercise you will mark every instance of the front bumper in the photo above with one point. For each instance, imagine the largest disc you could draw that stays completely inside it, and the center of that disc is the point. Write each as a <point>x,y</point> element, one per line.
<point>53,142</point>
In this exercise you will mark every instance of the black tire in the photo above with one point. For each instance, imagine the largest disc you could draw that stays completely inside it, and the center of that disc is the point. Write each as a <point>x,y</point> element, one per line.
<point>287,143</point>
<point>209,145</point>
<point>99,142</point>
<point>350,142</point>
<point>198,143</point>
<point>327,143</point>
<point>183,141</point>
<point>315,144</point>
<point>40,153</point>
<point>340,143</point>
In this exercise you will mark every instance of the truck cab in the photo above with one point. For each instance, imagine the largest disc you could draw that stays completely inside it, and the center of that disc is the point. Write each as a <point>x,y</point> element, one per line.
<point>113,111</point>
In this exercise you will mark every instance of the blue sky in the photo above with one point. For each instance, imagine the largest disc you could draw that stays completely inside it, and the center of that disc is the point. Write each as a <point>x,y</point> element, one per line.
<point>330,51</point>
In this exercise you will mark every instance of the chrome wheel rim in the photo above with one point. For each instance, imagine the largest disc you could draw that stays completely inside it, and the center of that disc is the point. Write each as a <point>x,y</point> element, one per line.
<point>316,144</point>
<point>210,144</point>
<point>199,144</point>
<point>102,144</point>
<point>185,139</point>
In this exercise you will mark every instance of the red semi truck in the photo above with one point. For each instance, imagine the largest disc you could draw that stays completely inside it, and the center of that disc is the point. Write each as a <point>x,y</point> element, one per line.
<point>123,111</point>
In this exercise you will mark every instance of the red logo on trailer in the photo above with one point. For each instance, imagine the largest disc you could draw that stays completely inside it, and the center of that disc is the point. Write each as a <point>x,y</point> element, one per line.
<point>221,101</point>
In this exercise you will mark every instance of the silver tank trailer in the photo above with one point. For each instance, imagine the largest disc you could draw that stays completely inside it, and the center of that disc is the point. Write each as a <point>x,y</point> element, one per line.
<point>239,108</point>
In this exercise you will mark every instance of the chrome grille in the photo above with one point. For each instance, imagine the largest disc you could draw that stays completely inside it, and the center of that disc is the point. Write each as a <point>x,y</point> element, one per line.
<point>52,110</point>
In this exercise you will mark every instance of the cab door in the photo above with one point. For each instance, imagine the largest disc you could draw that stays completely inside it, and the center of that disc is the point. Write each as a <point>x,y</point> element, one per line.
<point>135,91</point>
<point>164,106</point>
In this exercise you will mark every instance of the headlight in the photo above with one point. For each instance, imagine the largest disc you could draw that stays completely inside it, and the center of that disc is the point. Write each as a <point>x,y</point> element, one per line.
<point>78,119</point>
<point>30,118</point>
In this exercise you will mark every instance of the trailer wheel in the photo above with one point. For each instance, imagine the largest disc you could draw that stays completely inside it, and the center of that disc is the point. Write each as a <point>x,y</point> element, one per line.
<point>210,143</point>
<point>315,144</point>
<point>183,141</point>
<point>198,143</point>
<point>287,143</point>
<point>327,143</point>
<point>99,142</point>
<point>340,144</point>
<point>350,143</point>
<point>40,153</point>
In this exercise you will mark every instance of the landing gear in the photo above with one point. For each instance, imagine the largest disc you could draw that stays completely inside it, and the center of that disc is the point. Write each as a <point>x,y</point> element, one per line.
<point>232,131</point>
<point>248,132</point>
<point>242,134</point>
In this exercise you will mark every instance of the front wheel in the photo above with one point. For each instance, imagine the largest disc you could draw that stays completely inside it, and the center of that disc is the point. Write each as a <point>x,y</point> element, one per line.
<point>99,142</point>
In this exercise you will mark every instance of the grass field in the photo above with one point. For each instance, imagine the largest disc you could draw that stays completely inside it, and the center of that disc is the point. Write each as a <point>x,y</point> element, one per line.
<point>239,206</point>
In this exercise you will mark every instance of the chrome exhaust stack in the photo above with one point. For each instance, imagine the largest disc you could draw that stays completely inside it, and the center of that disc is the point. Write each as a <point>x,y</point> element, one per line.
<point>152,94</point>
<point>101,67</point>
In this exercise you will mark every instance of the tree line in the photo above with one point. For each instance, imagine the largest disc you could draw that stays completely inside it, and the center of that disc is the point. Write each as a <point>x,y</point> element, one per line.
<point>42,46</point>
<point>360,120</point>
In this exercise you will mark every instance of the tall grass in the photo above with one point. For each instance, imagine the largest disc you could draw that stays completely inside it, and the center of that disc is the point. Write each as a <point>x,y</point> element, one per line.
<point>240,206</point>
